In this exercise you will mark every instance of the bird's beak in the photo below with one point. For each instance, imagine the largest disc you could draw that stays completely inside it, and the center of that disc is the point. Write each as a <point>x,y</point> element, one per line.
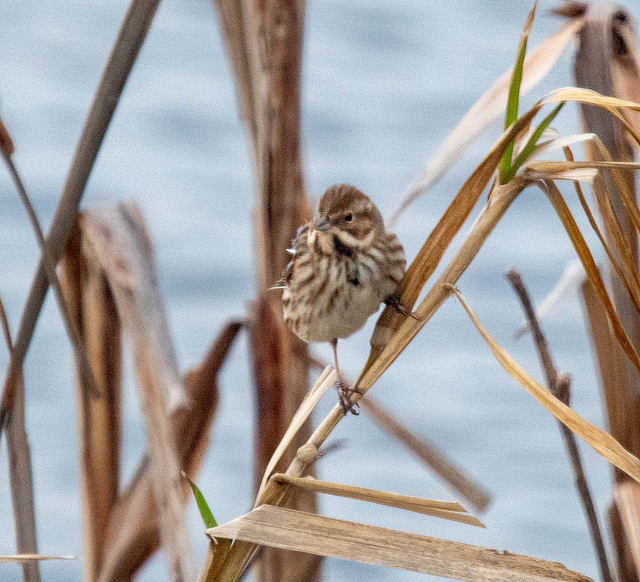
<point>321,224</point>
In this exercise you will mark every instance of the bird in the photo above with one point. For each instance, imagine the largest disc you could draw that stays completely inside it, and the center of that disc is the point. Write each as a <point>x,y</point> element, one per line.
<point>344,264</point>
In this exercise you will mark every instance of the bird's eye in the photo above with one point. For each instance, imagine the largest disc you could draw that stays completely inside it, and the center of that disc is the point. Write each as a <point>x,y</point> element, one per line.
<point>348,217</point>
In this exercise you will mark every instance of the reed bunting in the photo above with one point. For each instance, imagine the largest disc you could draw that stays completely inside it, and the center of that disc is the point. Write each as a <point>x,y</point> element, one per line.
<point>344,264</point>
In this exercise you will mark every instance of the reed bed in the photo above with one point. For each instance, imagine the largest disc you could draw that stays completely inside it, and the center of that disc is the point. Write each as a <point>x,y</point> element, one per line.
<point>109,291</point>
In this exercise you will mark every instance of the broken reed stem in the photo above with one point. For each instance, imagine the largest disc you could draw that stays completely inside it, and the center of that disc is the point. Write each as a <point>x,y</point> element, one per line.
<point>82,359</point>
<point>127,45</point>
<point>559,386</point>
<point>443,467</point>
<point>441,509</point>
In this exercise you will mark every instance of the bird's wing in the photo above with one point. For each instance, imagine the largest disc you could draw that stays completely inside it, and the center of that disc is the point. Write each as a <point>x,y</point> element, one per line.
<point>299,242</point>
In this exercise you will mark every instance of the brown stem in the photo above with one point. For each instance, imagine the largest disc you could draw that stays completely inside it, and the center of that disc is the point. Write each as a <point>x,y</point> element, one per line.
<point>559,386</point>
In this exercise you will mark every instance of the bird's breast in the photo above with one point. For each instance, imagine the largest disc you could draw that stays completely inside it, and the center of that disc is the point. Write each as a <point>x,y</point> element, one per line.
<point>331,295</point>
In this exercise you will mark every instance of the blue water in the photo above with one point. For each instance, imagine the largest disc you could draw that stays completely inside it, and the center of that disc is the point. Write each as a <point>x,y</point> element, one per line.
<point>384,82</point>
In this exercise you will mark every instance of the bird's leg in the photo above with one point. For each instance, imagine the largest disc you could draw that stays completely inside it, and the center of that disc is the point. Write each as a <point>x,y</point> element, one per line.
<point>343,388</point>
<point>396,304</point>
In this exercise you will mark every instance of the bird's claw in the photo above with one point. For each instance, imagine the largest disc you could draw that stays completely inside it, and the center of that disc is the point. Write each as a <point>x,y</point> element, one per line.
<point>344,394</point>
<point>396,304</point>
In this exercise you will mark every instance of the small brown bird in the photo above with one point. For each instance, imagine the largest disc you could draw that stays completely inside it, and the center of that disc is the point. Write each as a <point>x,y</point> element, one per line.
<point>344,265</point>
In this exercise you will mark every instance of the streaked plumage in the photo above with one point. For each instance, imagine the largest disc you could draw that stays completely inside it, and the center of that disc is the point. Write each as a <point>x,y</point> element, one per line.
<point>344,265</point>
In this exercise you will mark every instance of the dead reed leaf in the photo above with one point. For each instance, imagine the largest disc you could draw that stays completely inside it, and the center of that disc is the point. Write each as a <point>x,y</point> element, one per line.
<point>600,440</point>
<point>133,532</point>
<point>589,97</point>
<point>316,392</point>
<point>442,509</point>
<point>305,532</point>
<point>489,107</point>
<point>594,225</point>
<point>625,61</point>
<point>621,417</point>
<point>119,239</point>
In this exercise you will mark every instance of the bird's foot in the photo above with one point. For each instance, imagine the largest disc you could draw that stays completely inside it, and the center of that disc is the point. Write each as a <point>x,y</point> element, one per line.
<point>344,394</point>
<point>396,304</point>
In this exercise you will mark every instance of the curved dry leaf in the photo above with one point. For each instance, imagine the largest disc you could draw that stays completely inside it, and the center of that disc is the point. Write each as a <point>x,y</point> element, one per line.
<point>563,212</point>
<point>601,441</point>
<point>589,97</point>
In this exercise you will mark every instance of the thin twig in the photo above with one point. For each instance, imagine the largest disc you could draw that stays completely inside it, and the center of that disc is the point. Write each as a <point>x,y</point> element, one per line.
<point>559,386</point>
<point>130,38</point>
<point>79,349</point>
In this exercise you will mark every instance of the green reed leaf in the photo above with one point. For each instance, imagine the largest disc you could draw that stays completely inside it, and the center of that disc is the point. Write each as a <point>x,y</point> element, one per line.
<point>203,507</point>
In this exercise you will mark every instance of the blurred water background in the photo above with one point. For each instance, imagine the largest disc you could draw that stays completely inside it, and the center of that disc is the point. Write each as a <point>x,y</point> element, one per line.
<point>384,83</point>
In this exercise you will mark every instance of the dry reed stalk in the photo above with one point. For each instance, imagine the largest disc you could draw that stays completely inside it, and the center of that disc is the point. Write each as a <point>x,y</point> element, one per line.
<point>284,528</point>
<point>264,43</point>
<point>127,45</point>
<point>559,386</point>
<point>627,501</point>
<point>94,312</point>
<point>120,241</point>
<point>82,360</point>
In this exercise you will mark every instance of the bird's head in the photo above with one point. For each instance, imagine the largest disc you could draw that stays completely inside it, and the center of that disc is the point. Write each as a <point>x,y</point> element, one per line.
<point>345,212</point>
